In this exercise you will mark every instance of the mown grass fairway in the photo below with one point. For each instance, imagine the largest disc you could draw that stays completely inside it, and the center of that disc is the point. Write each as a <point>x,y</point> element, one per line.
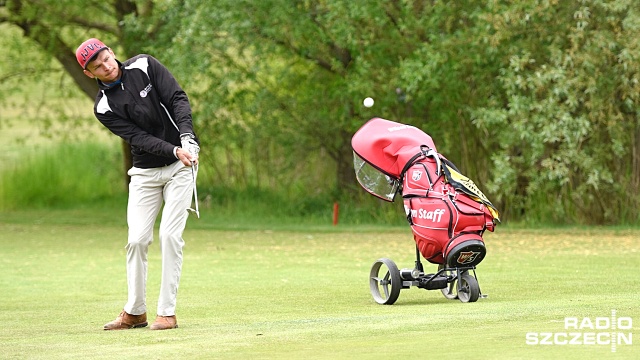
<point>293,293</point>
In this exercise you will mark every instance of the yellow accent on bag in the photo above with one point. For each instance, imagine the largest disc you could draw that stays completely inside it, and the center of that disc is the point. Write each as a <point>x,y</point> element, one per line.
<point>467,186</point>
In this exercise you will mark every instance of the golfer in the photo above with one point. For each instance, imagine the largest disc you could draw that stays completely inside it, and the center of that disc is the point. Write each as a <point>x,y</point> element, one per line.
<point>141,102</point>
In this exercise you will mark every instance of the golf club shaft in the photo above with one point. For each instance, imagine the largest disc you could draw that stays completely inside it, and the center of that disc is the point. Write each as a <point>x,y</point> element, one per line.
<point>194,174</point>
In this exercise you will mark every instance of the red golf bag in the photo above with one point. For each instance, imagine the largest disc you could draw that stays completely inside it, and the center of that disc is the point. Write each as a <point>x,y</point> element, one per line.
<point>448,214</point>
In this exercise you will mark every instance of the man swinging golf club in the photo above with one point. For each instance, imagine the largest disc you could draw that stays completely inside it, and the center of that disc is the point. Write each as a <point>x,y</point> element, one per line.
<point>141,102</point>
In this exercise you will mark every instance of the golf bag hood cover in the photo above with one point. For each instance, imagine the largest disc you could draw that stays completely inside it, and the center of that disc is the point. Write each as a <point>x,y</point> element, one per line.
<point>389,145</point>
<point>448,214</point>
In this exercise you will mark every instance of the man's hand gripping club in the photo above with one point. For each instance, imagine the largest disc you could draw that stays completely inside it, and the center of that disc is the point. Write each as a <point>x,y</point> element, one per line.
<point>188,153</point>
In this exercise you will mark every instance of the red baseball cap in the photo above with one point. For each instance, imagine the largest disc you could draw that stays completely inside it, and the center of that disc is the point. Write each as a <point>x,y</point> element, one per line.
<point>88,50</point>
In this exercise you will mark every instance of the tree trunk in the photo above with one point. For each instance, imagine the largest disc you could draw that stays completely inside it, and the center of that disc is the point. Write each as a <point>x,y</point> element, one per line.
<point>635,162</point>
<point>345,175</point>
<point>127,160</point>
<point>55,46</point>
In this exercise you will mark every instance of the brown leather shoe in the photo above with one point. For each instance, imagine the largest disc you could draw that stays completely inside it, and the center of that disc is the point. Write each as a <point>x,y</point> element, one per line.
<point>127,321</point>
<point>164,323</point>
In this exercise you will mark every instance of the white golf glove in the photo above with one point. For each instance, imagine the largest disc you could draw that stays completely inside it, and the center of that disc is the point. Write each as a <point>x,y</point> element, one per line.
<point>189,144</point>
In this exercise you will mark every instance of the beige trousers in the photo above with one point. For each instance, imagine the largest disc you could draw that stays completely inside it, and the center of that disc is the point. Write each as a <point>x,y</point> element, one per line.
<point>148,189</point>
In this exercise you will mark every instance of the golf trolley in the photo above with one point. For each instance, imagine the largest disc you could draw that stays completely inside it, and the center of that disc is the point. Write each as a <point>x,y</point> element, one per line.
<point>386,281</point>
<point>447,213</point>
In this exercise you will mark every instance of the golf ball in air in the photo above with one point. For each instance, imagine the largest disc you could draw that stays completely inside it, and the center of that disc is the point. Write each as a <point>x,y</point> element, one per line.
<point>368,102</point>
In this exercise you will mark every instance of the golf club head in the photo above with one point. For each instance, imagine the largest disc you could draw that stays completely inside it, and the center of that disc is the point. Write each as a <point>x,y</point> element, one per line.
<point>194,211</point>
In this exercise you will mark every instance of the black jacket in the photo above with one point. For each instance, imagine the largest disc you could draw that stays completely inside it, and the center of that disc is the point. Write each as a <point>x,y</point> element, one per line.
<point>148,109</point>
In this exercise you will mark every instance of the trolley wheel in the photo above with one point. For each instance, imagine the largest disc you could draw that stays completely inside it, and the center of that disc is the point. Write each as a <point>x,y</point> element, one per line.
<point>450,291</point>
<point>385,281</point>
<point>469,290</point>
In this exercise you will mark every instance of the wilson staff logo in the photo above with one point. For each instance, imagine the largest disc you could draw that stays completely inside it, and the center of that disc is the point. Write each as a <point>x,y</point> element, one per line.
<point>467,257</point>
<point>435,215</point>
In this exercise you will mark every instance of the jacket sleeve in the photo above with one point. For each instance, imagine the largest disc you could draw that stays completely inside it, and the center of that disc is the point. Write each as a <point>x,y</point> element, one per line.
<point>130,132</point>
<point>172,95</point>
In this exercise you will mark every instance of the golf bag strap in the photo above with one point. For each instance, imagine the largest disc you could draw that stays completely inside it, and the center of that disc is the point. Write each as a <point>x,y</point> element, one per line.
<point>409,213</point>
<point>419,156</point>
<point>410,163</point>
<point>451,165</point>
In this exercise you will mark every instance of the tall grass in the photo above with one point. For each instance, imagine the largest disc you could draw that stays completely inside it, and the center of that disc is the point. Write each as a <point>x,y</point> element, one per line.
<point>62,176</point>
<point>265,206</point>
<point>91,174</point>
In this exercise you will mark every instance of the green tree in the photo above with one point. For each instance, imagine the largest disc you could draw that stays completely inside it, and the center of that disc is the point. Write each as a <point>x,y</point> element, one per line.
<point>536,101</point>
<point>57,27</point>
<point>569,99</point>
<point>284,80</point>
